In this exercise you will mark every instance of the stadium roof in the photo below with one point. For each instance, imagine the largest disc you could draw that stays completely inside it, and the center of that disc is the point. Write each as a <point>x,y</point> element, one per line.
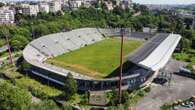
<point>155,53</point>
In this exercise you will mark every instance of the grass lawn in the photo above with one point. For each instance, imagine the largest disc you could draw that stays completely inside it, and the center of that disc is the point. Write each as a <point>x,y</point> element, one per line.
<point>97,60</point>
<point>26,82</point>
<point>187,56</point>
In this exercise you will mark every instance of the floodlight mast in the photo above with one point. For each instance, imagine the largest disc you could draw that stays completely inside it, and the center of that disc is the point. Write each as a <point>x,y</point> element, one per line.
<point>121,66</point>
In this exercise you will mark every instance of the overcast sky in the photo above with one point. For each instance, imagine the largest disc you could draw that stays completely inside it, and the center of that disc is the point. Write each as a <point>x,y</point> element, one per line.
<point>165,1</point>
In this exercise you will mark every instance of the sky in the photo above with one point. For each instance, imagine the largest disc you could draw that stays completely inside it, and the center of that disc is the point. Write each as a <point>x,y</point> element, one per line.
<point>165,1</point>
<point>145,1</point>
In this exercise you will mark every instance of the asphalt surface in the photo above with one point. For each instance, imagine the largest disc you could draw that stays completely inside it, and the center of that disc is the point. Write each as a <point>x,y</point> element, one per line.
<point>147,48</point>
<point>180,88</point>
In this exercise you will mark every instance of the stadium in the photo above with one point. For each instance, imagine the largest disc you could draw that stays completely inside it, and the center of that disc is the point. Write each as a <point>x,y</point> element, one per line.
<point>91,56</point>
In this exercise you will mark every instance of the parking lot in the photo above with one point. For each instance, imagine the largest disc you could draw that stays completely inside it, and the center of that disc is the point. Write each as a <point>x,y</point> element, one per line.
<point>180,88</point>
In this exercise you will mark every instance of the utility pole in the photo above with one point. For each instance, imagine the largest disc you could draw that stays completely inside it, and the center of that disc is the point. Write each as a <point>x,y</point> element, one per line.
<point>6,34</point>
<point>121,66</point>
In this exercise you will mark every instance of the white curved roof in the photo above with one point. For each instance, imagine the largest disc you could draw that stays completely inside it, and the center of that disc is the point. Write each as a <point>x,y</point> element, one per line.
<point>160,56</point>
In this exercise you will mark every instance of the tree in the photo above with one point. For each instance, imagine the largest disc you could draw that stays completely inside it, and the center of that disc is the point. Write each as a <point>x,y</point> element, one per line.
<point>40,30</point>
<point>24,66</point>
<point>118,10</point>
<point>45,105</point>
<point>113,97</point>
<point>144,9</point>
<point>136,7</point>
<point>70,86</point>
<point>21,31</point>
<point>67,106</point>
<point>13,98</point>
<point>53,27</point>
<point>1,4</point>
<point>18,42</point>
<point>179,27</point>
<point>125,96</point>
<point>186,43</point>
<point>163,24</point>
<point>188,34</point>
<point>193,43</point>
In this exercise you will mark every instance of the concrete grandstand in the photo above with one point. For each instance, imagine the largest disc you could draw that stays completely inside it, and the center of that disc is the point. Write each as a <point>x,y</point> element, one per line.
<point>139,69</point>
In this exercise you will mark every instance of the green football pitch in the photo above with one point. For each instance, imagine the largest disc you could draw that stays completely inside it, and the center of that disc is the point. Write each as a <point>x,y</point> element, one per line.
<point>97,60</point>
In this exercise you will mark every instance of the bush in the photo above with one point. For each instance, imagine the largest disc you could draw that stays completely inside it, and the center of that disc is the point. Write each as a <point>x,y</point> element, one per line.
<point>67,106</point>
<point>190,67</point>
<point>147,89</point>
<point>37,88</point>
<point>38,93</point>
<point>112,108</point>
<point>13,98</point>
<point>112,97</point>
<point>141,93</point>
<point>165,107</point>
<point>70,87</point>
<point>125,96</point>
<point>84,99</point>
<point>45,105</point>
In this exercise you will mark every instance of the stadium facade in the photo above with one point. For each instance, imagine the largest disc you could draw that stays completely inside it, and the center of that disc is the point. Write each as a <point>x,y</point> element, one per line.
<point>141,66</point>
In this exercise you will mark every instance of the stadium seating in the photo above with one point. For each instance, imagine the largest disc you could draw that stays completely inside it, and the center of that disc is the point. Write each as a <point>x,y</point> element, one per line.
<point>53,45</point>
<point>56,44</point>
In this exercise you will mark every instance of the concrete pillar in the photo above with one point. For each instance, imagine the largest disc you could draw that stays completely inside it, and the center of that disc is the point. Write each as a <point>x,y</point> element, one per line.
<point>102,85</point>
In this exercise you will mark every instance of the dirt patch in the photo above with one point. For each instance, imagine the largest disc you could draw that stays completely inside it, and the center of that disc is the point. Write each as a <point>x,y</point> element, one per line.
<point>78,68</point>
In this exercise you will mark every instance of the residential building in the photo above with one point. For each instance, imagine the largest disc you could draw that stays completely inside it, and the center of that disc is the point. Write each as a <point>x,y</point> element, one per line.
<point>55,6</point>
<point>44,7</point>
<point>30,9</point>
<point>149,30</point>
<point>88,3</point>
<point>75,4</point>
<point>126,4</point>
<point>64,2</point>
<point>7,16</point>
<point>108,5</point>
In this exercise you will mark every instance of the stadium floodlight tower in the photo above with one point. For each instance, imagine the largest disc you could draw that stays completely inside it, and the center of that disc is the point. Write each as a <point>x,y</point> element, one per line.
<point>122,31</point>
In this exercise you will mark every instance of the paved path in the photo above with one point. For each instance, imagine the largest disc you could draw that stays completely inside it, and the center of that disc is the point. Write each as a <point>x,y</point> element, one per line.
<point>180,88</point>
<point>174,65</point>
